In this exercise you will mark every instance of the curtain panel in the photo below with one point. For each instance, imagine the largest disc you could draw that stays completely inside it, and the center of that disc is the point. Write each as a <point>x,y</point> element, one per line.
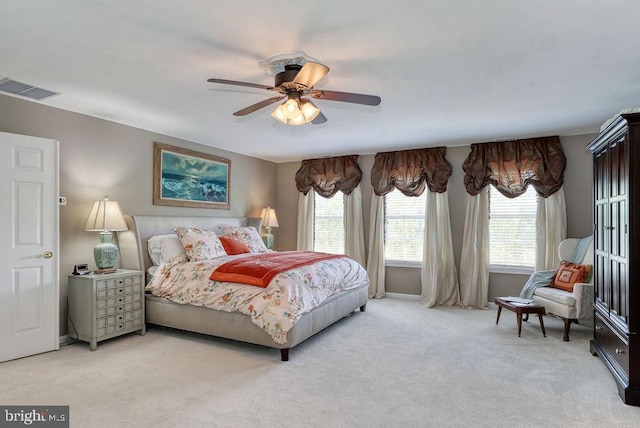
<point>327,176</point>
<point>511,166</point>
<point>306,206</point>
<point>474,259</point>
<point>354,226</point>
<point>410,170</point>
<point>439,277</point>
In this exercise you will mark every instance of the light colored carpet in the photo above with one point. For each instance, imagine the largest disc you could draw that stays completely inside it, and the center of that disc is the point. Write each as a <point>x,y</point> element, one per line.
<point>397,364</point>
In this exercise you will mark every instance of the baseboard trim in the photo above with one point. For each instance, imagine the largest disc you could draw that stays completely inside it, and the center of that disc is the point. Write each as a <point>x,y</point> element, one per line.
<point>64,340</point>
<point>403,296</point>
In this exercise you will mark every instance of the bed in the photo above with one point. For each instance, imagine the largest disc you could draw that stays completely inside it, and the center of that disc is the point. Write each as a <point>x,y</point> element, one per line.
<point>231,325</point>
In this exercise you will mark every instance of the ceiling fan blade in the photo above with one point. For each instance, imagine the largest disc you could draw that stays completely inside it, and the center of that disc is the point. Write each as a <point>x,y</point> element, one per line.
<point>257,106</point>
<point>233,82</point>
<point>320,118</point>
<point>310,73</point>
<point>347,97</point>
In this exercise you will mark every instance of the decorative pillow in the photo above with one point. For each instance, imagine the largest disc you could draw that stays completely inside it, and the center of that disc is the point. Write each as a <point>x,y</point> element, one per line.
<point>569,274</point>
<point>165,247</point>
<point>200,244</point>
<point>233,245</point>
<point>249,235</point>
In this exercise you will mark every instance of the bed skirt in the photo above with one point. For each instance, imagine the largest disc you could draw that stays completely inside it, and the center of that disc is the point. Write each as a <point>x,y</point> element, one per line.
<point>238,326</point>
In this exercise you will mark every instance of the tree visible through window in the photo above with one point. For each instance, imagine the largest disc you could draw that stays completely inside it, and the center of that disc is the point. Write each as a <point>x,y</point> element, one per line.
<point>328,224</point>
<point>403,227</point>
<point>512,229</point>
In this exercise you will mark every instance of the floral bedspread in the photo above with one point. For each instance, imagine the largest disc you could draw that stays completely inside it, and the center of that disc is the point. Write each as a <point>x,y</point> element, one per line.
<point>275,308</point>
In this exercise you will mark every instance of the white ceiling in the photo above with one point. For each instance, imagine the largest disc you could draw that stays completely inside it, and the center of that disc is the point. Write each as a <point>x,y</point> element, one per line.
<point>449,72</point>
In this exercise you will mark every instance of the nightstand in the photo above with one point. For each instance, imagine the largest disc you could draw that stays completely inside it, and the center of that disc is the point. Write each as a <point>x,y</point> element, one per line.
<point>102,306</point>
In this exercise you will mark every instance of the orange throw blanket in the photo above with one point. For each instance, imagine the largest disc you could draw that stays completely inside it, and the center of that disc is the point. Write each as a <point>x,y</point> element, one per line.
<point>260,269</point>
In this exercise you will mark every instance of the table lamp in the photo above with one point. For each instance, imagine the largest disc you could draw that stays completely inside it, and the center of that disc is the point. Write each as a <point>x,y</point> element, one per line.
<point>269,220</point>
<point>105,217</point>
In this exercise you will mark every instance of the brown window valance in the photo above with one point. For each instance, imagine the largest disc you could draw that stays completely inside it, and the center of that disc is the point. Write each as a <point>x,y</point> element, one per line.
<point>329,175</point>
<point>513,165</point>
<point>409,170</point>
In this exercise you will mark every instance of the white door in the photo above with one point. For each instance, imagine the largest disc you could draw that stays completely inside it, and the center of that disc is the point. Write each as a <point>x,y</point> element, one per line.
<point>29,262</point>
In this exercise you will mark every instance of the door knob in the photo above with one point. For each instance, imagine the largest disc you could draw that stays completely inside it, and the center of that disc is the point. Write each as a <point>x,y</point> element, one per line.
<point>46,255</point>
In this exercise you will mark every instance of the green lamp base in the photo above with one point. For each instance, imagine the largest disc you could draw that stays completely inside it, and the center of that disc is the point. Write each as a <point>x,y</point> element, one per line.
<point>268,238</point>
<point>105,253</point>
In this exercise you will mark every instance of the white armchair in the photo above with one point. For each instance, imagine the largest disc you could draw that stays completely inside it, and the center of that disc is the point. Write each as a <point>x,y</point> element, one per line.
<point>576,307</point>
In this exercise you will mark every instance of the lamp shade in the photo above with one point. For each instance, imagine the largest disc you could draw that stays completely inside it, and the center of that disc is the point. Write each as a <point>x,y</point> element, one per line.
<point>105,217</point>
<point>269,220</point>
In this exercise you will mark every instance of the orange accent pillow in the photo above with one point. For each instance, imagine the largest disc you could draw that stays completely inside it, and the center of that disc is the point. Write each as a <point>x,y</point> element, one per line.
<point>233,245</point>
<point>569,274</point>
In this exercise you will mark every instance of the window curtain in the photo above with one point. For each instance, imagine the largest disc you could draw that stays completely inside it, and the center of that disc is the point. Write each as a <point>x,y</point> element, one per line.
<point>304,240</point>
<point>474,259</point>
<point>411,171</point>
<point>510,167</point>
<point>354,226</point>
<point>439,276</point>
<point>375,260</point>
<point>326,177</point>
<point>551,229</point>
<point>329,175</point>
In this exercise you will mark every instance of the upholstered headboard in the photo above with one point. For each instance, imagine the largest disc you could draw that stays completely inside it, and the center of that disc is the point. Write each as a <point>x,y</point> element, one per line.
<point>133,242</point>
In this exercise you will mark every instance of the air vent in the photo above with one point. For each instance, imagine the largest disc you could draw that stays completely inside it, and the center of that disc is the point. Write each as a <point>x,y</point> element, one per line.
<point>24,90</point>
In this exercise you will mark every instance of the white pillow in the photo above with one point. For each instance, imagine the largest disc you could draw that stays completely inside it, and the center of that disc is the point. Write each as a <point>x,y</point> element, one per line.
<point>165,247</point>
<point>200,244</point>
<point>249,235</point>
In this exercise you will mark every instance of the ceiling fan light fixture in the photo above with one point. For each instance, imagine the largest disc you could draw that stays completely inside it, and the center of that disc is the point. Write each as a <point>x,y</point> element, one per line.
<point>298,120</point>
<point>309,110</point>
<point>290,108</point>
<point>279,115</point>
<point>295,111</point>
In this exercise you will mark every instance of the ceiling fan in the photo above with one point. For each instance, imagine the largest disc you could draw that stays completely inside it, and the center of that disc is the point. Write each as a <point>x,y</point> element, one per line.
<point>294,83</point>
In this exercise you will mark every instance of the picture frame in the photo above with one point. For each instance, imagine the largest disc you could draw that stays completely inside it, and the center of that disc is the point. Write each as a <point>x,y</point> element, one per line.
<point>186,178</point>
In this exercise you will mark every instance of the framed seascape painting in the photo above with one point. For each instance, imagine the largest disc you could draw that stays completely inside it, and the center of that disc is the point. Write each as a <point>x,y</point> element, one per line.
<point>184,178</point>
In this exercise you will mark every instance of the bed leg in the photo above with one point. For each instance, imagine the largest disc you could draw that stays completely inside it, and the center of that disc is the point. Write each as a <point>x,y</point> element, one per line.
<point>363,308</point>
<point>284,353</point>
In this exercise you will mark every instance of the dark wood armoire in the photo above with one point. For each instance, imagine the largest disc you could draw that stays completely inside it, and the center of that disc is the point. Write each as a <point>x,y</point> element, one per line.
<point>616,180</point>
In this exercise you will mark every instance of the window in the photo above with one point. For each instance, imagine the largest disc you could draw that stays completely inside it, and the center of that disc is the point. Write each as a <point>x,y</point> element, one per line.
<point>328,224</point>
<point>403,227</point>
<point>512,229</point>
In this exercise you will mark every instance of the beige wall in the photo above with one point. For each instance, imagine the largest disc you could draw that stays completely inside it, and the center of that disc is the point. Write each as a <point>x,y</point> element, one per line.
<point>577,188</point>
<point>99,158</point>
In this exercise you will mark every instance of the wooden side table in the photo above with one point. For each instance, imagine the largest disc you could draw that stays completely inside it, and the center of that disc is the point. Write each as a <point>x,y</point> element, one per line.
<point>519,309</point>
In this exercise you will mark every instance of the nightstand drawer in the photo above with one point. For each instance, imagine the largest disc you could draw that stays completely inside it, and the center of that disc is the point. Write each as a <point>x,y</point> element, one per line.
<point>110,310</point>
<point>107,321</point>
<point>133,315</point>
<point>132,324</point>
<point>131,280</point>
<point>110,329</point>
<point>128,307</point>
<point>103,303</point>
<point>129,298</point>
<point>115,291</point>
<point>128,289</point>
<point>104,309</point>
